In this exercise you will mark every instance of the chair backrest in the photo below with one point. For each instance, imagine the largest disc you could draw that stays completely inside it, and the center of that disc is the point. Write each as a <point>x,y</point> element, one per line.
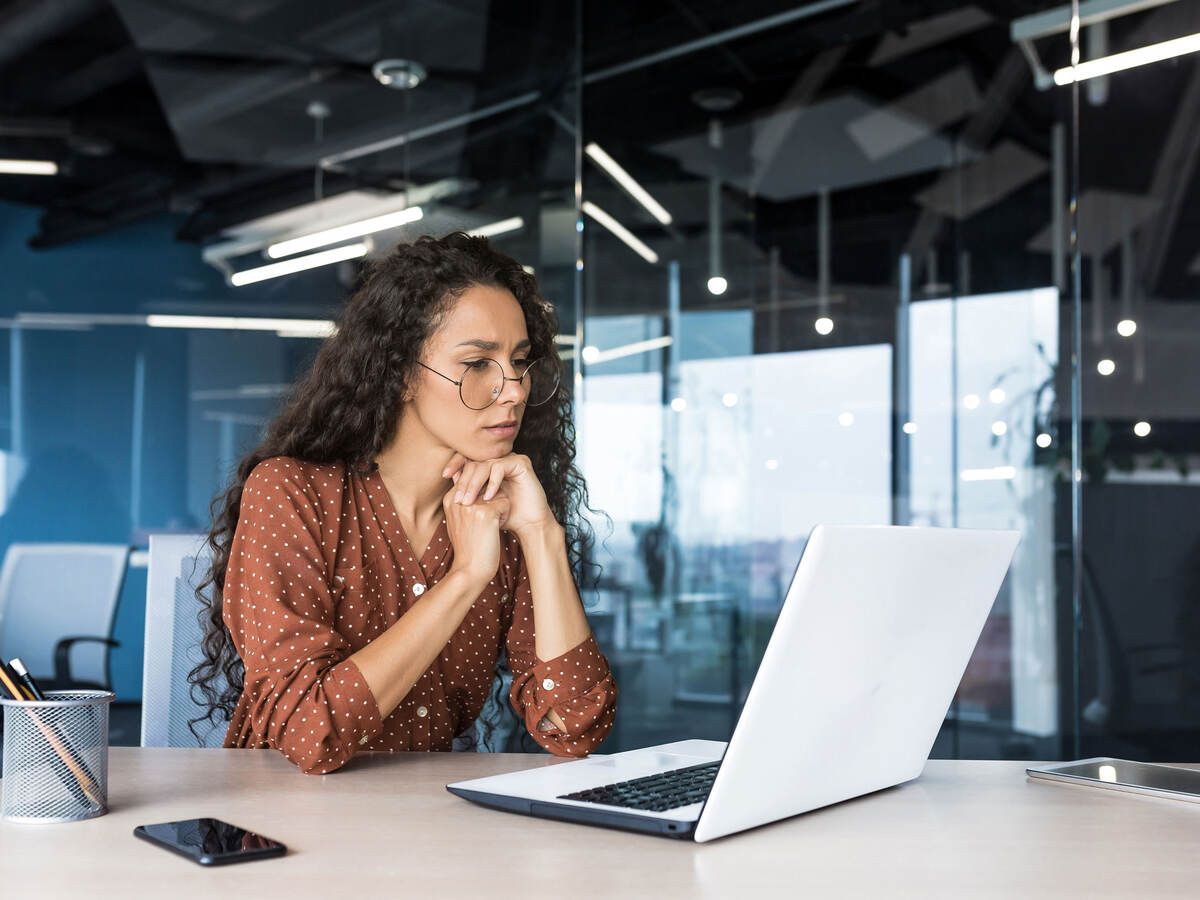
<point>52,591</point>
<point>178,563</point>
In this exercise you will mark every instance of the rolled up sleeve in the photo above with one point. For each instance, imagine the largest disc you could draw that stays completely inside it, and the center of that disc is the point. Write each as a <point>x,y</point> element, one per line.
<point>303,695</point>
<point>578,684</point>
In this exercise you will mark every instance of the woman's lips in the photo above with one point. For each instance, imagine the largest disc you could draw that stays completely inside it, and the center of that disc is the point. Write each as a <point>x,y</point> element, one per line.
<point>503,430</point>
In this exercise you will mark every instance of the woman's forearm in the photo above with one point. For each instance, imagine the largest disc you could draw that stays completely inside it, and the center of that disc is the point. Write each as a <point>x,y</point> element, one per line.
<point>558,616</point>
<point>394,662</point>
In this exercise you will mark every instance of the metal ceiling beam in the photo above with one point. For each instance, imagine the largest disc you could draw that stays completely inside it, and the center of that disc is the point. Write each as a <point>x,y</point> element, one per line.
<point>699,25</point>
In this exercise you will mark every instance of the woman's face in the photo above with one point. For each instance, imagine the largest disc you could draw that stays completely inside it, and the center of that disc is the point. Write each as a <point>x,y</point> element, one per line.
<point>483,322</point>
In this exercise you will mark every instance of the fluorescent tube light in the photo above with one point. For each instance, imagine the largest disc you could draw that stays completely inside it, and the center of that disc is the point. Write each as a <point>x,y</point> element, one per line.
<point>1118,62</point>
<point>620,231</point>
<point>593,355</point>
<point>299,264</point>
<point>28,167</point>
<point>344,232</point>
<point>501,227</point>
<point>625,180</point>
<point>293,327</point>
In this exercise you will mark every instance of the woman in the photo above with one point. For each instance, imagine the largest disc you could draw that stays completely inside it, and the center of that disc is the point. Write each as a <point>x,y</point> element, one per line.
<point>413,511</point>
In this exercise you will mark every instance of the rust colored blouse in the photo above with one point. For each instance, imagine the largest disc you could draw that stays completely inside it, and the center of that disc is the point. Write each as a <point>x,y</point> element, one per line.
<point>319,567</point>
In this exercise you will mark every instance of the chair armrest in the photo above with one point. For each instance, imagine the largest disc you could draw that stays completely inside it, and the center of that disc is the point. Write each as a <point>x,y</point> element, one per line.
<point>62,655</point>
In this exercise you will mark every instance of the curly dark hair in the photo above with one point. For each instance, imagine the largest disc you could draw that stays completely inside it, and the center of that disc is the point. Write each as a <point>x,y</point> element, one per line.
<point>347,406</point>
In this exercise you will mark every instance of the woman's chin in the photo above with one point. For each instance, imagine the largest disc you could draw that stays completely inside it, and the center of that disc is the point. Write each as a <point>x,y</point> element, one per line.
<point>486,450</point>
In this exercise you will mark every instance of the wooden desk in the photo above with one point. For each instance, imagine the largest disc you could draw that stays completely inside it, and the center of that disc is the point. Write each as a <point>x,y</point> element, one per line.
<point>384,826</point>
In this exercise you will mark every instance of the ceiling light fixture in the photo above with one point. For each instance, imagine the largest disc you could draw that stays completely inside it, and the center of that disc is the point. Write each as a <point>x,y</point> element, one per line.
<point>292,327</point>
<point>399,74</point>
<point>1119,62</point>
<point>717,283</point>
<point>627,181</point>
<point>593,354</point>
<point>344,232</point>
<point>1027,29</point>
<point>298,264</point>
<point>502,227</point>
<point>620,231</point>
<point>28,167</point>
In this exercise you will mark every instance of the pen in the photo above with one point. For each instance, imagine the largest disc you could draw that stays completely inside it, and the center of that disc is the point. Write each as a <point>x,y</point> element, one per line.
<point>82,782</point>
<point>18,692</point>
<point>26,679</point>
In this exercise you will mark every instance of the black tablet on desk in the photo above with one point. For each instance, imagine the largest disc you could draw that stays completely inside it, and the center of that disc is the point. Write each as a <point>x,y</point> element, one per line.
<point>1172,782</point>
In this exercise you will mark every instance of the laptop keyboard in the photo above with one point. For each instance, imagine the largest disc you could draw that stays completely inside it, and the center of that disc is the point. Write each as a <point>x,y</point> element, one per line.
<point>659,792</point>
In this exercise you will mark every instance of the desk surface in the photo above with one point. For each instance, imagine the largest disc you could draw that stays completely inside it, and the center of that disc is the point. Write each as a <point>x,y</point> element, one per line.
<point>385,825</point>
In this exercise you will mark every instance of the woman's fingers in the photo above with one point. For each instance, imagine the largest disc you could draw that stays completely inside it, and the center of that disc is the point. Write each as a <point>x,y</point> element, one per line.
<point>457,461</point>
<point>493,482</point>
<point>474,476</point>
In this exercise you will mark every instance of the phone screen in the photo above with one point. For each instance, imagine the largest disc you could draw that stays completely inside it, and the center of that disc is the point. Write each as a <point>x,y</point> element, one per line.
<point>210,842</point>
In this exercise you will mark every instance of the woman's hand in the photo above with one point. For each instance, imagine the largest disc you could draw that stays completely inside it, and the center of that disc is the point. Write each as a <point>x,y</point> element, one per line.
<point>509,476</point>
<point>475,534</point>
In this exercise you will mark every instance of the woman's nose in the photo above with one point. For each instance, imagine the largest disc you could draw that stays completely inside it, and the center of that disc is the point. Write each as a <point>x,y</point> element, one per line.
<point>514,389</point>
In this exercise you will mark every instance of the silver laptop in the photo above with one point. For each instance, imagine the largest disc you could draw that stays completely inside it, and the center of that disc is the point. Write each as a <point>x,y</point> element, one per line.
<point>868,650</point>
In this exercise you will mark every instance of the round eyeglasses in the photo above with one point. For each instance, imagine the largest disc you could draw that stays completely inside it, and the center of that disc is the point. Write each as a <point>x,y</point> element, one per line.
<point>483,382</point>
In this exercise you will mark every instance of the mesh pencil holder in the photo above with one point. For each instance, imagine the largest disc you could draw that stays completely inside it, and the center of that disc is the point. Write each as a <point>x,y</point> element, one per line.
<point>56,757</point>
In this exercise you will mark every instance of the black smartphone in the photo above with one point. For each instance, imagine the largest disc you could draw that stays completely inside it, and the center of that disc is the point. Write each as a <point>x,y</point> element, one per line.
<point>210,842</point>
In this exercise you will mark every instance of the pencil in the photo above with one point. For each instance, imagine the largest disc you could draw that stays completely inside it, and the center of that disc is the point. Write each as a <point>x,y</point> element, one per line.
<point>82,779</point>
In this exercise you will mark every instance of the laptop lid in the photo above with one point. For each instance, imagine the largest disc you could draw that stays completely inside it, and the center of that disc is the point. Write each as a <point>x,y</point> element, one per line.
<point>870,645</point>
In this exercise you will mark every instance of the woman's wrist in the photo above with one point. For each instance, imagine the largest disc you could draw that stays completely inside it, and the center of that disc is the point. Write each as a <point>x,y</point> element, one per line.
<point>546,531</point>
<point>466,580</point>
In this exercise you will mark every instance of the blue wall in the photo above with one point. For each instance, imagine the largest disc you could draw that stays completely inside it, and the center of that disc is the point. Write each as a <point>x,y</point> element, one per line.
<point>74,429</point>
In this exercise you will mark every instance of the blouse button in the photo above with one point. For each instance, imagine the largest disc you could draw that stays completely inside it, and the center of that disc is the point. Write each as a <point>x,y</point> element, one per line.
<point>422,711</point>
<point>548,683</point>
<point>418,589</point>
<point>504,596</point>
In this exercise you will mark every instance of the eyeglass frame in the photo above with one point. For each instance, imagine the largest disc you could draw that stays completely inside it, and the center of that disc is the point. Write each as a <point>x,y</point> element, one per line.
<point>500,366</point>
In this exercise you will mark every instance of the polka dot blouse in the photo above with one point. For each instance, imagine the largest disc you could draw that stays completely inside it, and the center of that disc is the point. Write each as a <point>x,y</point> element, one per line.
<point>319,567</point>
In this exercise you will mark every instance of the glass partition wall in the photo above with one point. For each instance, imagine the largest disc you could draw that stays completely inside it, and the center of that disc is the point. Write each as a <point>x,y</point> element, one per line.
<point>816,263</point>
<point>829,277</point>
<point>1139,279</point>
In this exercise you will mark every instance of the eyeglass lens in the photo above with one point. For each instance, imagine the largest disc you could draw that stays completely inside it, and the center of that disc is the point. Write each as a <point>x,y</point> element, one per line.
<point>483,382</point>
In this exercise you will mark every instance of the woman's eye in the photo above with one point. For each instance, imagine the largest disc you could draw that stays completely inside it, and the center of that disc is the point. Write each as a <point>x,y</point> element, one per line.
<point>479,364</point>
<point>520,363</point>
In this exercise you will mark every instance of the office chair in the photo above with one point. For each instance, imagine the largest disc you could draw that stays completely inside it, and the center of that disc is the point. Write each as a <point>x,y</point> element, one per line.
<point>58,603</point>
<point>178,563</point>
